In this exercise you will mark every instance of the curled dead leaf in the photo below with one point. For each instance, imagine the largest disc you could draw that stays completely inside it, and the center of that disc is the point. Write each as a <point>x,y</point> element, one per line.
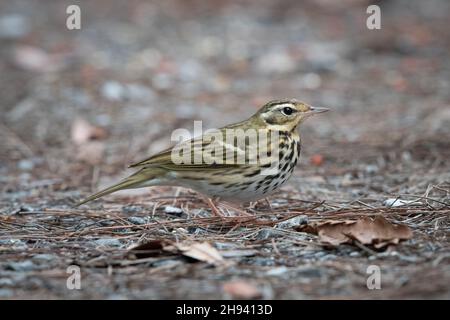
<point>148,249</point>
<point>201,251</point>
<point>378,232</point>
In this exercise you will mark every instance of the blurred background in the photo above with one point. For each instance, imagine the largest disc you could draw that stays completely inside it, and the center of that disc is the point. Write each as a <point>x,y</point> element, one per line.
<point>78,106</point>
<point>113,91</point>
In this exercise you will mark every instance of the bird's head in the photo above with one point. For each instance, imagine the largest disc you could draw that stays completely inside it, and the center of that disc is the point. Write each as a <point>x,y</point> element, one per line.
<point>285,115</point>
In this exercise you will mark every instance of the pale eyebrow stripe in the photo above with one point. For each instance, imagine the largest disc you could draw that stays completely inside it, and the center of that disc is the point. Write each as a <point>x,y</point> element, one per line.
<point>280,106</point>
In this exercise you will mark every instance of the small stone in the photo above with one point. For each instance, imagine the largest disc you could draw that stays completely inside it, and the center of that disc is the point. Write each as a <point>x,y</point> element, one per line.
<point>180,230</point>
<point>26,265</point>
<point>6,282</point>
<point>6,293</point>
<point>173,211</point>
<point>44,257</point>
<point>13,26</point>
<point>13,242</point>
<point>293,222</point>
<point>132,209</point>
<point>277,271</point>
<point>108,242</point>
<point>137,220</point>
<point>113,90</point>
<point>371,169</point>
<point>27,208</point>
<point>25,165</point>
<point>329,257</point>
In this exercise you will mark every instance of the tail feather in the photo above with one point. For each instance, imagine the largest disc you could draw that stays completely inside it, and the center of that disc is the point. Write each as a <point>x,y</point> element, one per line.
<point>133,181</point>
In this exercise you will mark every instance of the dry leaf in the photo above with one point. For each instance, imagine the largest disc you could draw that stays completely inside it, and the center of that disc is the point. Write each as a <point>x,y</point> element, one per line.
<point>241,290</point>
<point>378,232</point>
<point>82,132</point>
<point>200,251</point>
<point>148,249</point>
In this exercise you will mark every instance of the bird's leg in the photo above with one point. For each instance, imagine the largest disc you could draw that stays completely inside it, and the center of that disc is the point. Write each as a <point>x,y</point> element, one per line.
<point>252,205</point>
<point>214,208</point>
<point>268,203</point>
<point>239,211</point>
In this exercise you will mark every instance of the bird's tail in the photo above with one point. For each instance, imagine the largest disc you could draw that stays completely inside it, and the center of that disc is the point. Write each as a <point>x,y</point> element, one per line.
<point>136,180</point>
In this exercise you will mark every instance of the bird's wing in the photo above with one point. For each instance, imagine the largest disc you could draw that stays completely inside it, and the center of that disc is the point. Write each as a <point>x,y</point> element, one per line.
<point>204,152</point>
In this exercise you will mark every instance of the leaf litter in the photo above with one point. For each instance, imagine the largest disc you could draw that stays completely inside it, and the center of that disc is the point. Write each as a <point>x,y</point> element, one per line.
<point>377,231</point>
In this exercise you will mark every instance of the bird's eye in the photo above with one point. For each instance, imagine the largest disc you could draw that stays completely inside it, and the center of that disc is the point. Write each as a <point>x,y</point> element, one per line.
<point>287,111</point>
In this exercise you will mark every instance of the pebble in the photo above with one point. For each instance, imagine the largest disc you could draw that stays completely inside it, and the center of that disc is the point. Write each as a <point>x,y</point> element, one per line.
<point>173,210</point>
<point>132,209</point>
<point>25,165</point>
<point>44,257</point>
<point>329,257</point>
<point>371,169</point>
<point>266,234</point>
<point>13,26</point>
<point>27,208</point>
<point>6,293</point>
<point>26,265</point>
<point>113,90</point>
<point>13,242</point>
<point>293,222</point>
<point>277,271</point>
<point>137,220</point>
<point>6,282</point>
<point>108,242</point>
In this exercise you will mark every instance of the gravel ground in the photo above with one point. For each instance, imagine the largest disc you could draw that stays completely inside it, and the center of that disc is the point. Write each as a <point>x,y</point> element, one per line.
<point>78,106</point>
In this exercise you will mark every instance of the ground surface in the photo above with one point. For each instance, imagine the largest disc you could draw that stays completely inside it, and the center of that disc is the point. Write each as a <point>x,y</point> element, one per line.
<point>137,70</point>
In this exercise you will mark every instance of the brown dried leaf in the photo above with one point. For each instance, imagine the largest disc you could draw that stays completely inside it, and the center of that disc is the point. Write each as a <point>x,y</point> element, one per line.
<point>241,290</point>
<point>147,249</point>
<point>378,232</point>
<point>200,251</point>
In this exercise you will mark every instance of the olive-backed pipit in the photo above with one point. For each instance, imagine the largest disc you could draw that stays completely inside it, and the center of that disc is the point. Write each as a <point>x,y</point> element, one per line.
<point>259,157</point>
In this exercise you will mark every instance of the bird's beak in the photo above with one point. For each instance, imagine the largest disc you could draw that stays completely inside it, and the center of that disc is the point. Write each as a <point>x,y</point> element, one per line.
<point>315,110</point>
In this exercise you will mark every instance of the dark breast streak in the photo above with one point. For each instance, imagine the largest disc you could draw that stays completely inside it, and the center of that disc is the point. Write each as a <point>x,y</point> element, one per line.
<point>290,148</point>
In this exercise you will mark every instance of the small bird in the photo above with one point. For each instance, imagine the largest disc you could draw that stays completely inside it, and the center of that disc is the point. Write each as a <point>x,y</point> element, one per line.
<point>258,159</point>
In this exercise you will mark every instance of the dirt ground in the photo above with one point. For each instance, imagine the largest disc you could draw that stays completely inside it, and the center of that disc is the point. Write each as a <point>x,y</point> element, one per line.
<point>78,106</point>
